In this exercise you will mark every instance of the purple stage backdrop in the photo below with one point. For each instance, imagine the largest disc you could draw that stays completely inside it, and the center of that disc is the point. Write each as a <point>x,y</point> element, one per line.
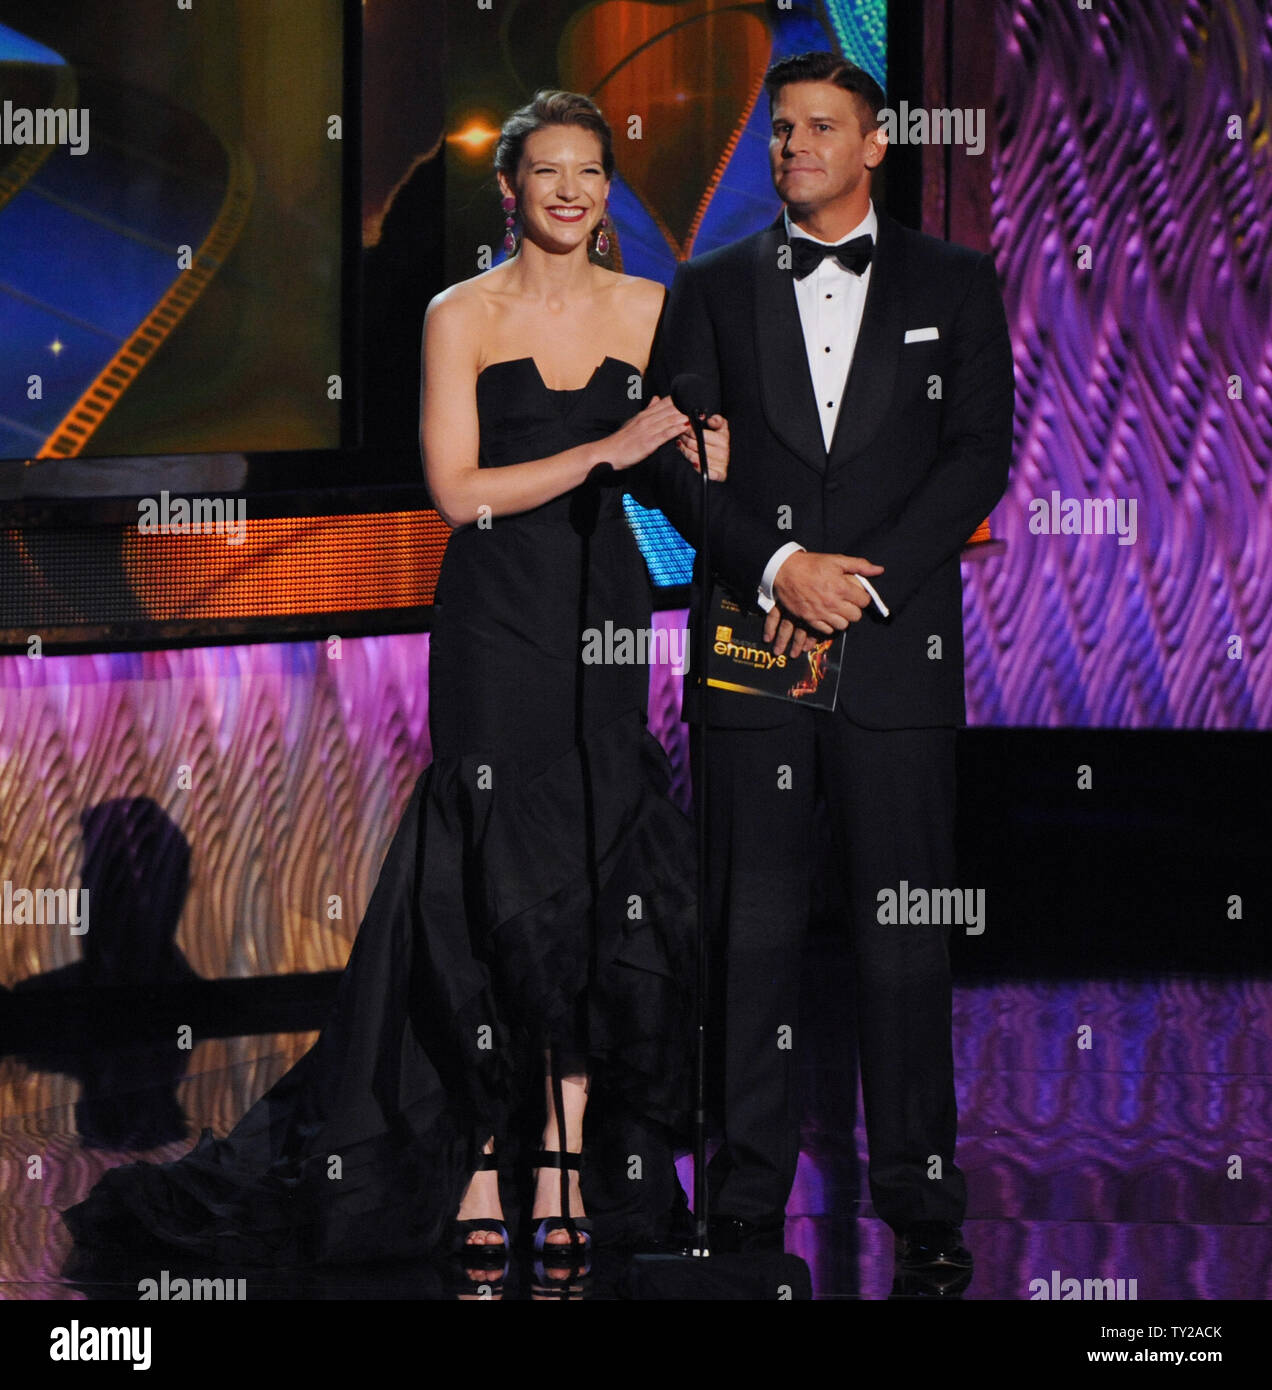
<point>277,772</point>
<point>1132,194</point>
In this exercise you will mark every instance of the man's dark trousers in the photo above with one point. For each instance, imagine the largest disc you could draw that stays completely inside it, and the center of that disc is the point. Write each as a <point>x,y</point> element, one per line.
<point>891,805</point>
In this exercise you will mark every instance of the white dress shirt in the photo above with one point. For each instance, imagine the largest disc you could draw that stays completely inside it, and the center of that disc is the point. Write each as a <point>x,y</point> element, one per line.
<point>830,303</point>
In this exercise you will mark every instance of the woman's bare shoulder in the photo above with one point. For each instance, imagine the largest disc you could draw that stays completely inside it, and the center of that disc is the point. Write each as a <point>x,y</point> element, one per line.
<point>647,295</point>
<point>637,304</point>
<point>467,301</point>
<point>461,320</point>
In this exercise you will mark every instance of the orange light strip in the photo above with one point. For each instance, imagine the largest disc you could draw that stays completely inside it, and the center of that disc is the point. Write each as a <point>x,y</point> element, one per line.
<point>288,565</point>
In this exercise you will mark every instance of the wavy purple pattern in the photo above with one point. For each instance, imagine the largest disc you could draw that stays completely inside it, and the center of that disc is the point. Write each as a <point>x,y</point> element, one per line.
<point>1113,133</point>
<point>300,758</point>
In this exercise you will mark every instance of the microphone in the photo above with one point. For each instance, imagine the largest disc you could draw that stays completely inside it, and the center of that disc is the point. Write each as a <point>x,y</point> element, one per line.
<point>691,396</point>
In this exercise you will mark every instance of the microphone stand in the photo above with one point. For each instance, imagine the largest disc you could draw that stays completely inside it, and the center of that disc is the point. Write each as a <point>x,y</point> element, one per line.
<point>700,1199</point>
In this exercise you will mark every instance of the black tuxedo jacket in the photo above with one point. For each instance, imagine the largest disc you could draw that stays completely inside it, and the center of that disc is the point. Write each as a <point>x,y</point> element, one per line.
<point>919,457</point>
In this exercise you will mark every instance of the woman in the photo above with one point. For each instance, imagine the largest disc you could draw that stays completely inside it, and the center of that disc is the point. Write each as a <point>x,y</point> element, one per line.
<point>536,903</point>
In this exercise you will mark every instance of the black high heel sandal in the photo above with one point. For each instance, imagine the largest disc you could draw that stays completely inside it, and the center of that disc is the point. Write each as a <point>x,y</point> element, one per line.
<point>480,1252</point>
<point>579,1247</point>
<point>577,1251</point>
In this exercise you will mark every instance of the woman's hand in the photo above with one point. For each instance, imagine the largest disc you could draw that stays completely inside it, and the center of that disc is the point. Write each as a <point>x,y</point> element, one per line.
<point>644,434</point>
<point>715,436</point>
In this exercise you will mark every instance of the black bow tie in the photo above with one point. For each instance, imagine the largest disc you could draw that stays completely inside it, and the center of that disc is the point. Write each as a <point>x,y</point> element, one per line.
<point>807,255</point>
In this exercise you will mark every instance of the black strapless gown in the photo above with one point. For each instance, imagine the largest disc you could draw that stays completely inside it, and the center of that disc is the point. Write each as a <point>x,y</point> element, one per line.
<point>540,886</point>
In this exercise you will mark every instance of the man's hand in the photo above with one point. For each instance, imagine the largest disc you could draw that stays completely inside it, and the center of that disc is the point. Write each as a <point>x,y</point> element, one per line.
<point>821,590</point>
<point>779,630</point>
<point>715,436</point>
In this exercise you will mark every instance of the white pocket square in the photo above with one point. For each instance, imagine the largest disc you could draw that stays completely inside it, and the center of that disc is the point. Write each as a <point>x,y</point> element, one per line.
<point>920,335</point>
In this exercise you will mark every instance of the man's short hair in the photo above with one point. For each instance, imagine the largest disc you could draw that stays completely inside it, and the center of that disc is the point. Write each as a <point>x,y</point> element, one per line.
<point>828,67</point>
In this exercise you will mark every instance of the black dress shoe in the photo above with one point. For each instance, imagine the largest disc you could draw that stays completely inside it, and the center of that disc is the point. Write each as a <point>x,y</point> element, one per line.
<point>932,1245</point>
<point>733,1235</point>
<point>941,1281</point>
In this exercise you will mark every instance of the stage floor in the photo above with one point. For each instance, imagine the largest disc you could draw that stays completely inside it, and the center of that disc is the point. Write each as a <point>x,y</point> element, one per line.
<point>1143,1156</point>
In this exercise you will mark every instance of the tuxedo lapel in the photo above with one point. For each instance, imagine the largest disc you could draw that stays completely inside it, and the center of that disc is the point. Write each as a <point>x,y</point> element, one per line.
<point>786,388</point>
<point>868,391</point>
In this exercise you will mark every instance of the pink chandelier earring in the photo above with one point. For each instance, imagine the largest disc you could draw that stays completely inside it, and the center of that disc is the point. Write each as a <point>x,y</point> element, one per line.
<point>602,236</point>
<point>510,211</point>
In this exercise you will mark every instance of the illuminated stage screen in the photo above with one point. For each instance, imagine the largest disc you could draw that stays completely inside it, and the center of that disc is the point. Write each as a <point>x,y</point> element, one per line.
<point>170,228</point>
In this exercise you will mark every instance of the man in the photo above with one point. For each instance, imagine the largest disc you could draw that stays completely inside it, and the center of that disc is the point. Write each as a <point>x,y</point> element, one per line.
<point>869,396</point>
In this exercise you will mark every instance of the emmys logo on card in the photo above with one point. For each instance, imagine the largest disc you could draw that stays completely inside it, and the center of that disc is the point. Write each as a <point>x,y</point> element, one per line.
<point>758,658</point>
